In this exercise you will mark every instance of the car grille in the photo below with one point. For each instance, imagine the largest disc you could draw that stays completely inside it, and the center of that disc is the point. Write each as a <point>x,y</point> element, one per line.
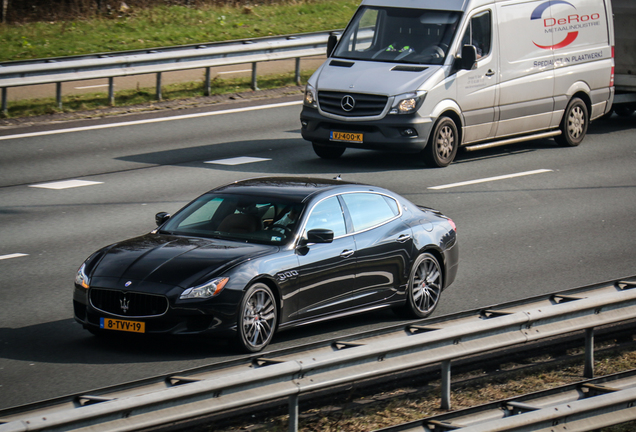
<point>128,304</point>
<point>365,105</point>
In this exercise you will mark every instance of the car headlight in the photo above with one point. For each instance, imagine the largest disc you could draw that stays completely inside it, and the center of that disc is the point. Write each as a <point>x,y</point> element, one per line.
<point>81,278</point>
<point>408,103</point>
<point>207,290</point>
<point>310,96</point>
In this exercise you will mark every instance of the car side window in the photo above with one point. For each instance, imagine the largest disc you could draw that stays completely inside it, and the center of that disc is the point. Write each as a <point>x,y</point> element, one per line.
<point>327,214</point>
<point>478,33</point>
<point>369,209</point>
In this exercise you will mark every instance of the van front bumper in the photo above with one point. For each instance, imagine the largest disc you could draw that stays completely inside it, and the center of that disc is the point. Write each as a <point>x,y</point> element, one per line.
<point>397,133</point>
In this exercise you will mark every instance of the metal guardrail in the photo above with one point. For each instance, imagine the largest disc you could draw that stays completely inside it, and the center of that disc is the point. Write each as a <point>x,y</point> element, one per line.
<point>584,406</point>
<point>159,60</point>
<point>515,324</point>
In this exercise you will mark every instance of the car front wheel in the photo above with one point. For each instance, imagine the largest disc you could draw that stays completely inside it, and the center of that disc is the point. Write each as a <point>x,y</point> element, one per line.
<point>257,319</point>
<point>425,286</point>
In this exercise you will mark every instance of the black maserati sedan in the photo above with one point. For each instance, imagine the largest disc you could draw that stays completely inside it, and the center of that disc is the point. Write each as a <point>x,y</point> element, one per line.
<point>260,255</point>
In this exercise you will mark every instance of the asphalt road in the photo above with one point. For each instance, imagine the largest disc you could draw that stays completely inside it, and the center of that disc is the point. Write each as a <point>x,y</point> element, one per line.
<point>558,218</point>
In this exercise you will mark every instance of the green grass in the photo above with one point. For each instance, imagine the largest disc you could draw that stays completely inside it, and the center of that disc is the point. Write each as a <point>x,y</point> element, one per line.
<point>168,26</point>
<point>159,27</point>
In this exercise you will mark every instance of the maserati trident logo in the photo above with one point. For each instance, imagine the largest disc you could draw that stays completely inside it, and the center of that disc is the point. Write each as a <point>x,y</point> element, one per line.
<point>348,103</point>
<point>124,303</point>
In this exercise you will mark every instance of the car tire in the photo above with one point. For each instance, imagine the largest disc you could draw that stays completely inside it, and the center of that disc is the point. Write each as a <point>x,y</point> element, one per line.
<point>442,144</point>
<point>257,320</point>
<point>328,152</point>
<point>574,124</point>
<point>424,287</point>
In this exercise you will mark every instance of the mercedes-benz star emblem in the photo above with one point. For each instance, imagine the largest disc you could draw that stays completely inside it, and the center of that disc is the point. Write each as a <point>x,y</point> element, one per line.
<point>348,103</point>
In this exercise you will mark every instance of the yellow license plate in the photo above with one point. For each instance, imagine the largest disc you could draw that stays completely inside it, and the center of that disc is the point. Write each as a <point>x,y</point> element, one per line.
<point>122,325</point>
<point>345,136</point>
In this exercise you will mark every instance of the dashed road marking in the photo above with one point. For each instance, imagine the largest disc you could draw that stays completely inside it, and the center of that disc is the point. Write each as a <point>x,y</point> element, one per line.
<point>237,160</point>
<point>489,179</point>
<point>66,184</point>
<point>15,255</point>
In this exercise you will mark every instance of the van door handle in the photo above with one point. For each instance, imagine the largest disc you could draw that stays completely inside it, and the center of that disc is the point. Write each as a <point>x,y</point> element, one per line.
<point>490,73</point>
<point>347,253</point>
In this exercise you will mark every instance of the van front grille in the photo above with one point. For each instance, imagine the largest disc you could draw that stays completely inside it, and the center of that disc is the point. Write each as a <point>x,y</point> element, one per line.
<point>352,104</point>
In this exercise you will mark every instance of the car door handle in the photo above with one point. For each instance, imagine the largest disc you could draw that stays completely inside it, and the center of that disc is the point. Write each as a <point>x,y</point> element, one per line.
<point>490,73</point>
<point>403,238</point>
<point>347,253</point>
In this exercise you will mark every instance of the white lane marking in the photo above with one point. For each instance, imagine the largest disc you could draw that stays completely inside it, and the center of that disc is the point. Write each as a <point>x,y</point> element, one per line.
<point>15,255</point>
<point>236,71</point>
<point>237,160</point>
<point>147,121</point>
<point>489,179</point>
<point>66,184</point>
<point>91,86</point>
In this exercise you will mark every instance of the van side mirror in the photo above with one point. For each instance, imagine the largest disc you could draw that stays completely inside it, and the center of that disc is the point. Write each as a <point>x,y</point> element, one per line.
<point>331,44</point>
<point>469,57</point>
<point>161,218</point>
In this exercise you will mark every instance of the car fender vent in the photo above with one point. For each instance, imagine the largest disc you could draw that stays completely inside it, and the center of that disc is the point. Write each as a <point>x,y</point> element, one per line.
<point>341,63</point>
<point>403,68</point>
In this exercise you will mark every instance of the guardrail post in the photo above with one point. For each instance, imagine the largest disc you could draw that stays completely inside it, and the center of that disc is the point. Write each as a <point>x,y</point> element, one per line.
<point>297,73</point>
<point>5,109</point>
<point>58,94</point>
<point>446,385</point>
<point>254,85</point>
<point>293,413</point>
<point>207,87</point>
<point>111,91</point>
<point>158,86</point>
<point>588,371</point>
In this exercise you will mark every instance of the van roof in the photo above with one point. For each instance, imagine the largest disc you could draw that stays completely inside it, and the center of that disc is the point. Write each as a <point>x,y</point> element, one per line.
<point>451,5</point>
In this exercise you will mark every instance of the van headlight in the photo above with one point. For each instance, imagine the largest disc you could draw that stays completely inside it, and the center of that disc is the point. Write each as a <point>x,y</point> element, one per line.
<point>207,290</point>
<point>408,103</point>
<point>310,96</point>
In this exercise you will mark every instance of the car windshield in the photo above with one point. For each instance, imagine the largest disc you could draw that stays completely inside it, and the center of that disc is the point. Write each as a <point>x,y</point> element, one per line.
<point>243,218</point>
<point>398,35</point>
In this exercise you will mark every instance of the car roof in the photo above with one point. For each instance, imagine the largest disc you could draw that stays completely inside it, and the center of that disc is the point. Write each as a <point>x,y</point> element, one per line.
<point>290,188</point>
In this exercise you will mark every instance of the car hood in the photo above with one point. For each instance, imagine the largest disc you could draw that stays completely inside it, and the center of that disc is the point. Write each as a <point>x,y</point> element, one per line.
<point>172,260</point>
<point>388,79</point>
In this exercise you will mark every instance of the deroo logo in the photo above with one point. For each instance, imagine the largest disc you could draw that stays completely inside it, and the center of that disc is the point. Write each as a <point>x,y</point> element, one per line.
<point>570,22</point>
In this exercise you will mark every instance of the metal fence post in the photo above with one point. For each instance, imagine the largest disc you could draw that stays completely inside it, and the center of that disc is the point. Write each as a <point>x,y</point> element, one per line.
<point>5,109</point>
<point>158,86</point>
<point>446,385</point>
<point>111,91</point>
<point>293,413</point>
<point>58,94</point>
<point>254,84</point>
<point>297,74</point>
<point>588,371</point>
<point>207,87</point>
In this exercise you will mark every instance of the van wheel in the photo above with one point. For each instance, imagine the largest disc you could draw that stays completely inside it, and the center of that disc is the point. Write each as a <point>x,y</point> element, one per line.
<point>328,152</point>
<point>574,124</point>
<point>443,143</point>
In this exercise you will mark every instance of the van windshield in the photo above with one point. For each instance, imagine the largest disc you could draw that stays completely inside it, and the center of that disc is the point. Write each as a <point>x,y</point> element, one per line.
<point>398,35</point>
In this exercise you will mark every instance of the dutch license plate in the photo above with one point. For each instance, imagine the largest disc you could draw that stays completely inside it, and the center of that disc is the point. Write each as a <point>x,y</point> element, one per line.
<point>122,325</point>
<point>345,136</point>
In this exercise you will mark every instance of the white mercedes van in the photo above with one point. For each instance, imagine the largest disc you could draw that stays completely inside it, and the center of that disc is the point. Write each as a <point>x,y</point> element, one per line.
<point>429,76</point>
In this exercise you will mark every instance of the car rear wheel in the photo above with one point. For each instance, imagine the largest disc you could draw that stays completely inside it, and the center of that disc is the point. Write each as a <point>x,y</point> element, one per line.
<point>328,152</point>
<point>443,143</point>
<point>574,124</point>
<point>257,319</point>
<point>425,286</point>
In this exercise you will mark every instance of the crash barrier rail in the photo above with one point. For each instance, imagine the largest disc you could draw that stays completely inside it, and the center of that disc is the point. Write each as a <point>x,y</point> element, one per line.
<point>583,406</point>
<point>430,342</point>
<point>156,61</point>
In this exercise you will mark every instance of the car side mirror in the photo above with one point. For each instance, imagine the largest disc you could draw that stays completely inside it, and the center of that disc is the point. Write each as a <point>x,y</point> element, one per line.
<point>161,218</point>
<point>331,44</point>
<point>469,57</point>
<point>319,235</point>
